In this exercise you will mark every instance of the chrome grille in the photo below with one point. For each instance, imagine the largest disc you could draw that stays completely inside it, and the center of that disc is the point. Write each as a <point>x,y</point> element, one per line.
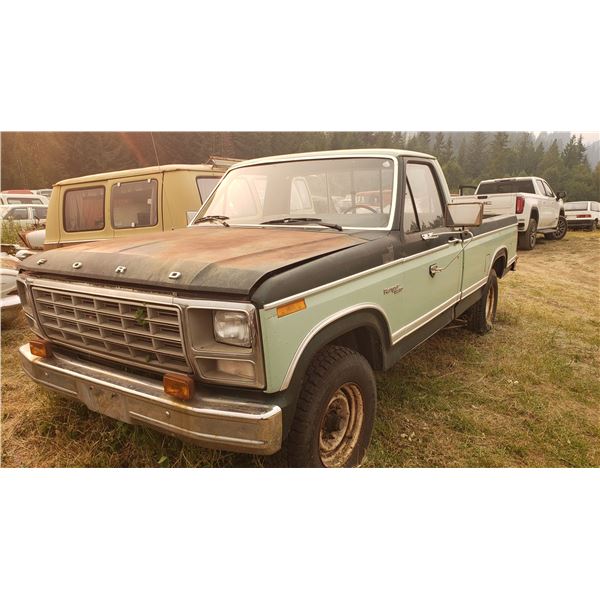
<point>141,333</point>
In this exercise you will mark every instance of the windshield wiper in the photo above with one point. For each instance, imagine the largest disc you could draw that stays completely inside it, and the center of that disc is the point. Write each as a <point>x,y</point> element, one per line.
<point>293,220</point>
<point>220,218</point>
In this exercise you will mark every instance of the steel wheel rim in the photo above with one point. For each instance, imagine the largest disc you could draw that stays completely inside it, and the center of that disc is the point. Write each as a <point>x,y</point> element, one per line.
<point>562,225</point>
<point>341,425</point>
<point>489,305</point>
<point>532,237</point>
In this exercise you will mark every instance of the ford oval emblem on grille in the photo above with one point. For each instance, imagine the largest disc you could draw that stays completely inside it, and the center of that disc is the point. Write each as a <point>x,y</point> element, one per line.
<point>77,265</point>
<point>174,275</point>
<point>120,269</point>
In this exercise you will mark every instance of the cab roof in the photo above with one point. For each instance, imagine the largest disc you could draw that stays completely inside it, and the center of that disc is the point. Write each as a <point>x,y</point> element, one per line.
<point>395,152</point>
<point>141,171</point>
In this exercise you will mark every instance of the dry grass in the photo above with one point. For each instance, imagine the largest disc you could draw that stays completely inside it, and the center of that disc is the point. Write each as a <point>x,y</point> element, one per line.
<point>527,394</point>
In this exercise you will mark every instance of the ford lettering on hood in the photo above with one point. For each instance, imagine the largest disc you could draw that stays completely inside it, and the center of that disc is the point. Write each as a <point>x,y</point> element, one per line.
<point>207,259</point>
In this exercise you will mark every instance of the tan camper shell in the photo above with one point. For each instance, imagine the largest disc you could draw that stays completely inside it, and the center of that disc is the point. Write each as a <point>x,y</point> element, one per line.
<point>131,202</point>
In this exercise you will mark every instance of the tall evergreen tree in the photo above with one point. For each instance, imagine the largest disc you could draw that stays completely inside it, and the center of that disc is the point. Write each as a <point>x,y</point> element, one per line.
<point>476,157</point>
<point>438,145</point>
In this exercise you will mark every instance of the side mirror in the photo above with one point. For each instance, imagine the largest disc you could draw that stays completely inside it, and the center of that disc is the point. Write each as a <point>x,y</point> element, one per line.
<point>561,195</point>
<point>469,214</point>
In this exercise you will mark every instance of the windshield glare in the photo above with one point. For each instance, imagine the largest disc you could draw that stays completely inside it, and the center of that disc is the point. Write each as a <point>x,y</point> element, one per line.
<point>351,192</point>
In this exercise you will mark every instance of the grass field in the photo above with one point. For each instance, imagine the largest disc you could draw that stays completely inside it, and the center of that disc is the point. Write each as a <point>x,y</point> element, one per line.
<point>527,394</point>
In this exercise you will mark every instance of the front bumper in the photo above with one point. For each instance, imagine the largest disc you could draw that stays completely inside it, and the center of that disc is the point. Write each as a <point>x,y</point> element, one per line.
<point>207,420</point>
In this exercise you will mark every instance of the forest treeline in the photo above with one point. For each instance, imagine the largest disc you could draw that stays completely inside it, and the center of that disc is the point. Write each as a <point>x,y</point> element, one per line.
<point>39,159</point>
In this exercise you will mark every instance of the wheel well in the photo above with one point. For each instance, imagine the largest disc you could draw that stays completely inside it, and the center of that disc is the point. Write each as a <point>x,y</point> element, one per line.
<point>364,331</point>
<point>365,341</point>
<point>535,214</point>
<point>500,264</point>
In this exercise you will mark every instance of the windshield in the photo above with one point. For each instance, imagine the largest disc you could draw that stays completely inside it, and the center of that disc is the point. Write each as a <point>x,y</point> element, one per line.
<point>576,206</point>
<point>354,193</point>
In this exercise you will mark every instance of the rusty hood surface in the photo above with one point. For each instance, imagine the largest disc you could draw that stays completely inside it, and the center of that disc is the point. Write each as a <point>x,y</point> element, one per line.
<point>212,259</point>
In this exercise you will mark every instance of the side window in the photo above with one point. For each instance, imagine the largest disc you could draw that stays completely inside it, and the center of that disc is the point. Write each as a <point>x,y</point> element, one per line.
<point>205,186</point>
<point>134,204</point>
<point>17,214</point>
<point>548,190</point>
<point>40,212</point>
<point>425,195</point>
<point>542,188</point>
<point>595,206</point>
<point>410,224</point>
<point>83,209</point>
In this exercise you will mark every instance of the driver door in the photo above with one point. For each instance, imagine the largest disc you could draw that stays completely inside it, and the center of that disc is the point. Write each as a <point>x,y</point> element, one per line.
<point>432,270</point>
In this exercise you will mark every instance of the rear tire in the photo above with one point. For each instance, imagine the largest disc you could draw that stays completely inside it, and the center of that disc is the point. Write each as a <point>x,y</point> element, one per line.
<point>482,315</point>
<point>335,412</point>
<point>594,225</point>
<point>528,237</point>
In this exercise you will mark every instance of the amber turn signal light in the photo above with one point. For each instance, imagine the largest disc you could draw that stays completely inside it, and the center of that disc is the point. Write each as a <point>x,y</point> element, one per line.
<point>291,307</point>
<point>40,348</point>
<point>179,386</point>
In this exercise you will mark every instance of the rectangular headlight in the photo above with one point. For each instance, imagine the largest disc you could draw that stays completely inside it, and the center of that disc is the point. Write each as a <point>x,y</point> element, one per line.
<point>232,327</point>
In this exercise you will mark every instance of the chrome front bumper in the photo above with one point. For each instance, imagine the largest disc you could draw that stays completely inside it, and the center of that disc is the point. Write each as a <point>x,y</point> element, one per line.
<point>207,420</point>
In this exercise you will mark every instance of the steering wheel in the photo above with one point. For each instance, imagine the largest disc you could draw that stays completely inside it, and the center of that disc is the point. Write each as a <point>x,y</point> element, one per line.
<point>355,206</point>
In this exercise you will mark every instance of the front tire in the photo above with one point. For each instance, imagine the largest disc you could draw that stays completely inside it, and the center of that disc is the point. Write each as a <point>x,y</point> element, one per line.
<point>528,238</point>
<point>482,315</point>
<point>335,412</point>
<point>561,229</point>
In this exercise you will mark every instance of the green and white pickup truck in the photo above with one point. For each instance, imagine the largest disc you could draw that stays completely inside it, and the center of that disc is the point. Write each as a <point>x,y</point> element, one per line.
<point>262,323</point>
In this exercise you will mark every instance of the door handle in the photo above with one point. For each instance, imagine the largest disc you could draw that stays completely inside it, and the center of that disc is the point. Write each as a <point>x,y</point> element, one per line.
<point>433,269</point>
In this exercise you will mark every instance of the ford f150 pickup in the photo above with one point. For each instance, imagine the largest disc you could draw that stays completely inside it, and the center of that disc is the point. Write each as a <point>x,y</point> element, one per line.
<point>264,321</point>
<point>531,199</point>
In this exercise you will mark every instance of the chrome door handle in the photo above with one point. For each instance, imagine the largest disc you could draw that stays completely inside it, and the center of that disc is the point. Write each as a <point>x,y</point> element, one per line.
<point>433,269</point>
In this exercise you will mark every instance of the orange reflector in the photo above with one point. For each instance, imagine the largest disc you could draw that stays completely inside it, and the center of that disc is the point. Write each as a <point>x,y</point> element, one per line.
<point>178,385</point>
<point>291,307</point>
<point>40,348</point>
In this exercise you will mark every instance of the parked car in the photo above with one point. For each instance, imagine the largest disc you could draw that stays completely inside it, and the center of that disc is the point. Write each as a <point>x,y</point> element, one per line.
<point>261,323</point>
<point>10,302</point>
<point>583,215</point>
<point>124,203</point>
<point>531,199</point>
<point>24,215</point>
<point>46,192</point>
<point>9,199</point>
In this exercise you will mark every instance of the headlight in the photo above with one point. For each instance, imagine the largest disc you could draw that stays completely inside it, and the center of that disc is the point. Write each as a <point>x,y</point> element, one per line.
<point>232,328</point>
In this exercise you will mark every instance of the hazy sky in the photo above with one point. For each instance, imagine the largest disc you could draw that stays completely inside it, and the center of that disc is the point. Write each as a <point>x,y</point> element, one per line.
<point>589,137</point>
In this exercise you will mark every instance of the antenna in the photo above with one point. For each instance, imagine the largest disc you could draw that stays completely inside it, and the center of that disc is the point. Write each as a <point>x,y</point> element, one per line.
<point>155,151</point>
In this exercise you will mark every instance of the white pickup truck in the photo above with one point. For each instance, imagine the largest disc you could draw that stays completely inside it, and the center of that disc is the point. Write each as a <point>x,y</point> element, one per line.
<point>537,208</point>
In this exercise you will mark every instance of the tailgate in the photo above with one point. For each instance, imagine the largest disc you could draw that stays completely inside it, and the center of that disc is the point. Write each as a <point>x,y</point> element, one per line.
<point>498,204</point>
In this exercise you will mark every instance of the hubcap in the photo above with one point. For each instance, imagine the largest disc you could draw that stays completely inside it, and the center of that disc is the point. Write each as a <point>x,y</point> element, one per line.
<point>341,425</point>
